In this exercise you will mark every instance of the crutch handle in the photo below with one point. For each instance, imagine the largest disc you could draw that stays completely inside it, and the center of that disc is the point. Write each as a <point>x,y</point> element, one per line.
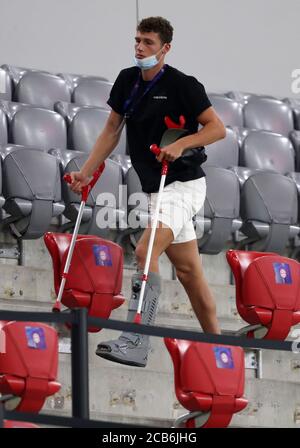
<point>165,164</point>
<point>86,190</point>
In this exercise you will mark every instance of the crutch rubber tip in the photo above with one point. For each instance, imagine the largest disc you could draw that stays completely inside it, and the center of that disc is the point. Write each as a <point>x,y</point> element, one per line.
<point>56,308</point>
<point>138,318</point>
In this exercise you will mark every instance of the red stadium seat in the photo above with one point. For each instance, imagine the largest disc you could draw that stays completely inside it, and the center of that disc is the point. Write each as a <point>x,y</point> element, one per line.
<point>209,382</point>
<point>267,292</point>
<point>28,364</point>
<point>14,424</point>
<point>93,282</point>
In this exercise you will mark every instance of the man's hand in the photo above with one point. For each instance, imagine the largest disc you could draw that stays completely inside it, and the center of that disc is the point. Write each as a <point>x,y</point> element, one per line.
<point>170,152</point>
<point>79,181</point>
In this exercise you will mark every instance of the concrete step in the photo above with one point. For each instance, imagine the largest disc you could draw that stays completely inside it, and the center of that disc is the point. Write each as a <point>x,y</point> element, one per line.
<point>36,255</point>
<point>22,282</point>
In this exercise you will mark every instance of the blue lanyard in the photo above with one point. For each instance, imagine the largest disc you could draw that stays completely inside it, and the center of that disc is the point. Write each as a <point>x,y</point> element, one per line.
<point>128,102</point>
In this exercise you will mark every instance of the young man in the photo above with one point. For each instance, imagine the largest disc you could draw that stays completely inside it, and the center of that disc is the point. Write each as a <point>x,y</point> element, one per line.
<point>143,96</point>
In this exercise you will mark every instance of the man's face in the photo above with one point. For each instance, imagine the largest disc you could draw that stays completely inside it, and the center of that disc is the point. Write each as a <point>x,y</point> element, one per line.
<point>147,44</point>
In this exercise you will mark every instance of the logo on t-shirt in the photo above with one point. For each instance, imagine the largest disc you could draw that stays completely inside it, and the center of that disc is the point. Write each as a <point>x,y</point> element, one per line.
<point>160,97</point>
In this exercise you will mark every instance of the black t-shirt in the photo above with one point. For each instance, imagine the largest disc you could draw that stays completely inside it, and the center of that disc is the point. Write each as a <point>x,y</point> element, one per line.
<point>173,94</point>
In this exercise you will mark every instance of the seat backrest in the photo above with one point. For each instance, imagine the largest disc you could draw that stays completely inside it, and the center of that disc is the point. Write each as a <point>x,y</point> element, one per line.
<point>3,128</point>
<point>244,97</point>
<point>239,261</point>
<point>223,193</point>
<point>16,73</point>
<point>269,197</point>
<point>229,111</point>
<point>97,264</point>
<point>30,349</point>
<point>73,79</point>
<point>269,151</point>
<point>5,86</point>
<point>268,114</point>
<point>39,128</point>
<point>223,153</point>
<point>92,92</point>
<point>85,128</point>
<point>42,89</point>
<point>267,292</point>
<point>30,174</point>
<point>28,363</point>
<point>277,283</point>
<point>208,378</point>
<point>295,139</point>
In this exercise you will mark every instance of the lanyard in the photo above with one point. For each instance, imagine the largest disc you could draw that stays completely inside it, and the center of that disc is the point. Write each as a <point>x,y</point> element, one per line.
<point>128,102</point>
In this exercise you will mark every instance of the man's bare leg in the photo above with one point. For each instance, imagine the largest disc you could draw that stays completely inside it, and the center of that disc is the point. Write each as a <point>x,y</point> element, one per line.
<point>132,348</point>
<point>163,239</point>
<point>187,262</point>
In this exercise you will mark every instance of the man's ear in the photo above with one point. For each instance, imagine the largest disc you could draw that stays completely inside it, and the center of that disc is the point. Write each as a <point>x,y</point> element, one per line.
<point>166,48</point>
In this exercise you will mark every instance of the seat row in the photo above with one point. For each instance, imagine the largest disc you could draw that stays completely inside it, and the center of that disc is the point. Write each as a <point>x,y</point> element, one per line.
<point>238,109</point>
<point>260,212</point>
<point>44,89</point>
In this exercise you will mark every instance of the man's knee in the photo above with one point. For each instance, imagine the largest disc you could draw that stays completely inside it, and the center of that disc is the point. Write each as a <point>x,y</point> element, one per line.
<point>141,253</point>
<point>187,273</point>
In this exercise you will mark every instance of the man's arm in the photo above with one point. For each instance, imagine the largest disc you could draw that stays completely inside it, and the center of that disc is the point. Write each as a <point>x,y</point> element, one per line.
<point>105,144</point>
<point>213,130</point>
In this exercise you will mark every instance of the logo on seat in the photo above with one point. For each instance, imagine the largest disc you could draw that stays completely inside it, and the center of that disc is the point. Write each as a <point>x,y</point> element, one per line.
<point>282,273</point>
<point>35,337</point>
<point>224,358</point>
<point>102,255</point>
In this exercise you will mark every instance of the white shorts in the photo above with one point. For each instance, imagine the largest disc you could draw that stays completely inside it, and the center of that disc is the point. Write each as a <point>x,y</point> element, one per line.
<point>180,202</point>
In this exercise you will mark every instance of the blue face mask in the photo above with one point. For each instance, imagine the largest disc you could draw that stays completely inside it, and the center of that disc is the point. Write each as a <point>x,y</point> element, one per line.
<point>147,63</point>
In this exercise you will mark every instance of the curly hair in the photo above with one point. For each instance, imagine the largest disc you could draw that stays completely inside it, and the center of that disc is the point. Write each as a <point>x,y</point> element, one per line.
<point>157,25</point>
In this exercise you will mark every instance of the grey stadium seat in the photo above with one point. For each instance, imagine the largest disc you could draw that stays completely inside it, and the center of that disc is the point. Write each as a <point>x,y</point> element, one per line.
<point>267,151</point>
<point>85,128</point>
<point>137,203</point>
<point>269,211</point>
<point>32,189</point>
<point>269,115</point>
<point>295,139</point>
<point>5,86</point>
<point>223,153</point>
<point>92,92</point>
<point>264,151</point>
<point>3,128</point>
<point>73,79</point>
<point>2,200</point>
<point>97,208</point>
<point>69,110</point>
<point>39,128</point>
<point>16,73</point>
<point>42,90</point>
<point>244,97</point>
<point>229,111</point>
<point>294,103</point>
<point>220,217</point>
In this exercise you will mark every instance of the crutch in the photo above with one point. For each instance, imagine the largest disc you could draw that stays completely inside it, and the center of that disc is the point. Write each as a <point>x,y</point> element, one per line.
<point>84,195</point>
<point>164,171</point>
